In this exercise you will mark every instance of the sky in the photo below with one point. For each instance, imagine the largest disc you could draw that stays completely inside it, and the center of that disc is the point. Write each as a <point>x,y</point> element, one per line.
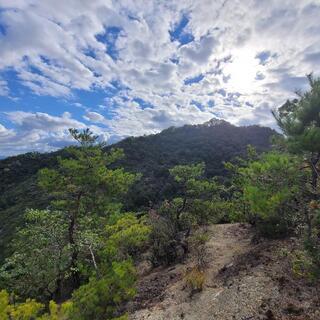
<point>129,68</point>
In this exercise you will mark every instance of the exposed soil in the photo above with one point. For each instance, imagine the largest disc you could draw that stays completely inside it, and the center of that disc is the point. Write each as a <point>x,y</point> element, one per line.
<point>244,281</point>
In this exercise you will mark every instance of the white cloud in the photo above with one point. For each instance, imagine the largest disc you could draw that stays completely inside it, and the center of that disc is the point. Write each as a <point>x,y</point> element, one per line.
<point>200,52</point>
<point>4,89</point>
<point>57,47</point>
<point>39,132</point>
<point>94,117</point>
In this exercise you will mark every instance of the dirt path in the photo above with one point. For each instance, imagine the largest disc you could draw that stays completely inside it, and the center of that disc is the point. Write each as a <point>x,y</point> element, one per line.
<point>225,243</point>
<point>243,282</point>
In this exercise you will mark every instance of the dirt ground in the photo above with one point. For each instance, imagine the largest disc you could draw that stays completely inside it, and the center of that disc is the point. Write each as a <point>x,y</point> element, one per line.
<point>244,281</point>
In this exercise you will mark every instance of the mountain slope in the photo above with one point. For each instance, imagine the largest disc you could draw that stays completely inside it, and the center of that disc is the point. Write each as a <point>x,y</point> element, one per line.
<point>212,142</point>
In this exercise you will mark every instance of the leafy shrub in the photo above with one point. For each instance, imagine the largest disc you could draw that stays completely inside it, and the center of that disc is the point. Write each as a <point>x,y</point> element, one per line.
<point>99,299</point>
<point>32,310</point>
<point>166,245</point>
<point>58,311</point>
<point>28,310</point>
<point>302,264</point>
<point>270,189</point>
<point>126,237</point>
<point>41,256</point>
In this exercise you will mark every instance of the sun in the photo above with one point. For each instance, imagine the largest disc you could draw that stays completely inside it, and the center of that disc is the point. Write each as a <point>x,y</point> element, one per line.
<point>242,71</point>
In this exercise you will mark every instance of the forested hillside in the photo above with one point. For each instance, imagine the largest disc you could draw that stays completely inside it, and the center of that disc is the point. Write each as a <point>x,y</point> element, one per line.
<point>226,232</point>
<point>212,143</point>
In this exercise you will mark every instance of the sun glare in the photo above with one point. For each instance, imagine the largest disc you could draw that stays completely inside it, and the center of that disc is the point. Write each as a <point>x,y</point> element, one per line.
<point>242,71</point>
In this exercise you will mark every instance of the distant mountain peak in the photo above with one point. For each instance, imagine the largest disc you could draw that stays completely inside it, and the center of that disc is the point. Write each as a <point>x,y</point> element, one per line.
<point>214,122</point>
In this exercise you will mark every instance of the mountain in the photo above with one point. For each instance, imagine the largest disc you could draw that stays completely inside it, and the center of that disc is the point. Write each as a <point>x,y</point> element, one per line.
<point>213,143</point>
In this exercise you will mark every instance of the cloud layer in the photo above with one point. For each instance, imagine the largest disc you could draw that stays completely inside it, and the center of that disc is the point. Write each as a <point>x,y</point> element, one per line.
<point>156,63</point>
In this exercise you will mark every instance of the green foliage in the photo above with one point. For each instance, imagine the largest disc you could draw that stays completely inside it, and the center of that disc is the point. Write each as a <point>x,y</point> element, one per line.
<point>58,312</point>
<point>312,239</point>
<point>41,256</point>
<point>86,138</point>
<point>83,244</point>
<point>32,310</point>
<point>199,203</point>
<point>88,192</point>
<point>210,144</point>
<point>28,310</point>
<point>164,240</point>
<point>4,305</point>
<point>152,156</point>
<point>102,295</point>
<point>126,237</point>
<point>100,298</point>
<point>270,186</point>
<point>84,182</point>
<point>57,250</point>
<point>198,196</point>
<point>115,276</point>
<point>300,119</point>
<point>183,173</point>
<point>302,265</point>
<point>261,183</point>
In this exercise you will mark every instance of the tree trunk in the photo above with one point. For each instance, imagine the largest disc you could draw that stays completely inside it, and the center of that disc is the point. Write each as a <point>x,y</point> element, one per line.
<point>314,173</point>
<point>75,276</point>
<point>57,295</point>
<point>179,211</point>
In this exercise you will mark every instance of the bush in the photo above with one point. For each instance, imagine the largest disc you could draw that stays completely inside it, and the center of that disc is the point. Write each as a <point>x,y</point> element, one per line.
<point>271,187</point>
<point>197,244</point>
<point>30,309</point>
<point>167,245</point>
<point>126,237</point>
<point>195,279</point>
<point>100,298</point>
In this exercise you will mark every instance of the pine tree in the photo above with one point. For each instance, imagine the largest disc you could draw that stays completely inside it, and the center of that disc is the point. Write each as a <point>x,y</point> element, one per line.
<point>299,120</point>
<point>56,245</point>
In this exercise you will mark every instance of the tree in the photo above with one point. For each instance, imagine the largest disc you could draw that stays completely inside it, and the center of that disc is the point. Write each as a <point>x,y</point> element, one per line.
<point>195,190</point>
<point>85,193</point>
<point>299,120</point>
<point>271,190</point>
<point>125,238</point>
<point>196,204</point>
<point>100,298</point>
<point>41,256</point>
<point>115,275</point>
<point>83,186</point>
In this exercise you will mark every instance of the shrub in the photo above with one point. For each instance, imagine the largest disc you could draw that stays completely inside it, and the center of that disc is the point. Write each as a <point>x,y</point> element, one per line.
<point>100,298</point>
<point>302,265</point>
<point>167,245</point>
<point>270,190</point>
<point>197,244</point>
<point>30,309</point>
<point>126,237</point>
<point>195,279</point>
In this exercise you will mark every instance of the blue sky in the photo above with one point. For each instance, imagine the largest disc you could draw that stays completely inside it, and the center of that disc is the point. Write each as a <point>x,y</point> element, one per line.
<point>128,68</point>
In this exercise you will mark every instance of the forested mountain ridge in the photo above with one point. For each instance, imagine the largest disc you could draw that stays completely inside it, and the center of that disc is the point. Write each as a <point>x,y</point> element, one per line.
<point>212,143</point>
